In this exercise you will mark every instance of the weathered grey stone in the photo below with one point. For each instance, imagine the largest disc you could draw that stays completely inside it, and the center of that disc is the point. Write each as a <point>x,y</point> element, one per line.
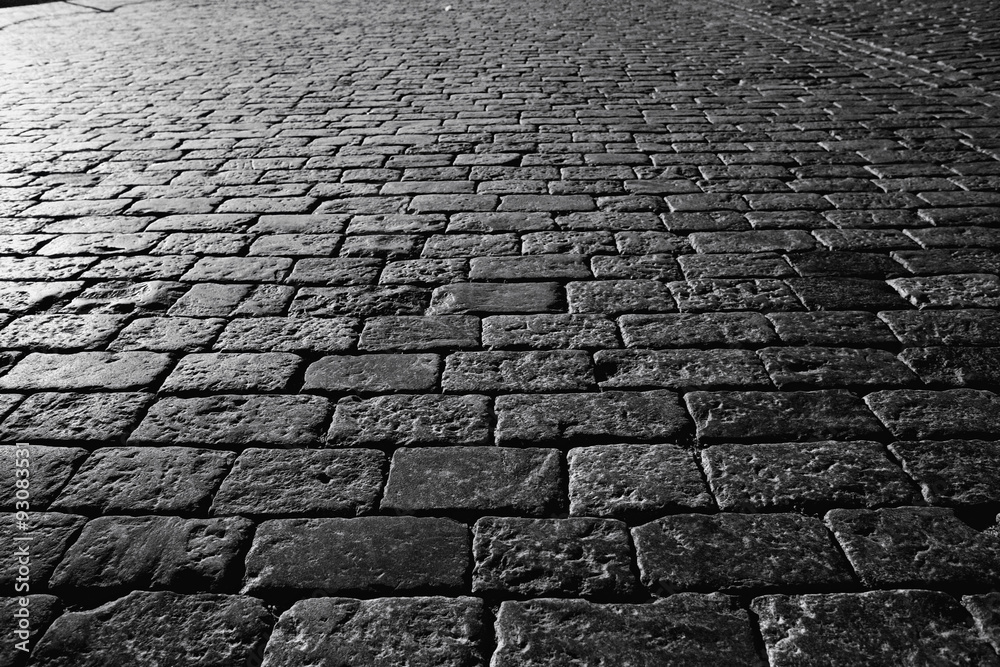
<point>50,534</point>
<point>919,414</point>
<point>680,369</point>
<point>24,617</point>
<point>410,420</point>
<point>824,367</point>
<point>757,265</point>
<point>529,267</point>
<point>17,297</point>
<point>549,331</point>
<point>541,371</point>
<point>121,553</point>
<point>335,271</point>
<point>374,373</point>
<point>60,332</point>
<point>804,477</point>
<point>159,628</point>
<point>736,552</point>
<point>496,298</point>
<point>232,372</point>
<point>48,469</point>
<point>918,547</point>
<point>611,297</point>
<point>365,556</point>
<point>690,330</point>
<point>953,472</point>
<point>169,334</point>
<point>985,609</point>
<point>288,334</point>
<point>385,632</point>
<point>476,480</point>
<point>635,267</point>
<point>904,627</point>
<point>963,290</point>
<point>405,334</point>
<point>709,295</point>
<point>360,301</point>
<point>784,240</point>
<point>74,417</point>
<point>834,328</point>
<point>269,482</point>
<point>684,629</point>
<point>121,297</point>
<point>86,370</point>
<point>131,480</point>
<point>955,366</point>
<point>574,557</point>
<point>846,294</point>
<point>951,327</point>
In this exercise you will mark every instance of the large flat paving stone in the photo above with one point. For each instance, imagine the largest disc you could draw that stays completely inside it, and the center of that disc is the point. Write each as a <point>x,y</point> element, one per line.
<point>920,414</point>
<point>549,332</point>
<point>24,619</point>
<point>288,334</point>
<point>711,330</point>
<point>373,373</point>
<point>986,610</point>
<point>529,371</point>
<point>404,334</point>
<point>682,369</point>
<point>116,371</point>
<point>944,327</point>
<point>490,298</point>
<point>410,420</point>
<point>75,417</point>
<point>828,367</point>
<point>50,533</point>
<point>48,469</point>
<point>238,372</point>
<point>953,472</point>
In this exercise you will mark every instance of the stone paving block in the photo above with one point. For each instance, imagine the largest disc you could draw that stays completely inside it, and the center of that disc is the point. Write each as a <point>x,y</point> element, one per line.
<point>119,553</point>
<point>488,298</point>
<point>955,473</point>
<point>911,627</point>
<point>390,421</point>
<point>985,609</point>
<point>618,221</point>
<point>817,367</point>
<point>582,419</point>
<point>51,534</point>
<point>635,267</point>
<point>846,264</point>
<point>386,246</point>
<point>232,372</point>
<point>395,224</point>
<point>681,369</point>
<point>916,547</point>
<point>696,296</point>
<point>425,271</point>
<point>832,328</point>
<point>499,222</point>
<point>335,271</point>
<point>288,334</point>
<point>364,556</point>
<point>966,290</point>
<point>696,330</point>
<point>729,265</point>
<point>797,416</point>
<point>41,611</point>
<point>549,331</point>
<point>361,301</point>
<point>955,413</point>
<point>167,334</point>
<point>612,297</point>
<point>48,470</point>
<point>684,629</point>
<point>72,417</point>
<point>60,332</point>
<point>405,334</point>
<point>578,557</point>
<point>752,242</point>
<point>651,243</point>
<point>16,297</point>
<point>634,481</point>
<point>373,373</point>
<point>86,370</point>
<point>955,366</point>
<point>275,482</point>
<point>804,477</point>
<point>383,632</point>
<point>529,267</point>
<point>940,262</point>
<point>533,371</point>
<point>443,246</point>
<point>200,629</point>
<point>846,294</point>
<point>133,480</point>
<point>945,327</point>
<point>233,421</point>
<point>569,243</point>
<point>736,552</point>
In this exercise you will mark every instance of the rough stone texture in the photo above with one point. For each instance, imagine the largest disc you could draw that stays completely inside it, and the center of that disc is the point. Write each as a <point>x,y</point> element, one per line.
<point>955,366</point>
<point>420,333</point>
<point>907,627</point>
<point>736,552</point>
<point>169,334</point>
<point>231,373</point>
<point>687,330</point>
<point>968,290</point>
<point>74,417</point>
<point>612,297</point>
<point>956,413</point>
<point>41,610</point>
<point>679,369</point>
<point>543,371</point>
<point>951,327</point>
<point>410,420</point>
<point>953,472</point>
<point>275,482</point>
<point>804,477</point>
<point>986,610</point>
<point>496,298</point>
<point>474,480</point>
<point>279,334</point>
<point>158,628</point>
<point>549,331</point>
<point>373,373</point>
<point>765,295</point>
<point>50,532</point>
<point>49,468</point>
<point>684,629</point>
<point>364,556</point>
<point>817,367</point>
<point>834,328</point>
<point>385,632</point>
<point>86,370</point>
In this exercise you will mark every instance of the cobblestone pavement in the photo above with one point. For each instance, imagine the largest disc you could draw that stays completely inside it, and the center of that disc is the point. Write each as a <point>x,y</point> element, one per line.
<point>513,333</point>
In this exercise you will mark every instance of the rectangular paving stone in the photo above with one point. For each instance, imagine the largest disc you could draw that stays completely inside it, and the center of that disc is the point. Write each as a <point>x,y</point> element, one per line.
<point>41,609</point>
<point>986,610</point>
<point>955,413</point>
<point>612,297</point>
<point>60,332</point>
<point>956,473</point>
<point>529,267</point>
<point>209,300</point>
<point>405,334</point>
<point>409,420</point>
<point>546,203</point>
<point>844,328</point>
<point>365,556</point>
<point>360,301</point>
<point>288,334</point>
<point>464,246</point>
<point>845,264</point>
<point>530,371</point>
<point>18,297</point>
<point>492,222</point>
<point>168,334</point>
<point>819,367</point>
<point>846,294</point>
<point>230,372</point>
<point>335,271</point>
<point>74,417</point>
<point>731,265</point>
<point>86,370</point>
<point>549,331</point>
<point>751,242</point>
<point>490,298</point>
<point>635,267</point>
<point>682,369</point>
<point>763,294</point>
<point>966,290</point>
<point>373,373</point>
<point>51,534</point>
<point>736,552</point>
<point>804,477</point>
<point>688,330</point>
<point>48,470</point>
<point>955,366</point>
<point>946,327</point>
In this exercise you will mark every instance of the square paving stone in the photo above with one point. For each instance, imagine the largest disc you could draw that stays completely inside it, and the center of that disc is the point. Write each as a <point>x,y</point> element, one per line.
<point>51,534</point>
<point>60,332</point>
<point>134,480</point>
<point>391,421</point>
<point>534,371</point>
<point>363,556</point>
<point>168,334</point>
<point>846,294</point>
<point>48,469</point>
<point>120,553</point>
<point>227,421</point>
<point>967,290</point>
<point>232,372</point>
<point>573,557</point>
<point>549,331</point>
<point>611,297</point>
<point>385,632</point>
<point>406,334</point>
<point>737,552</point>
<point>634,481</point>
<point>583,419</point>
<point>115,371</point>
<point>708,295</point>
<point>955,366</point>
<point>58,417</point>
<point>680,369</point>
<point>690,330</point>
<point>986,610</point>
<point>684,629</point>
<point>474,480</point>
<point>955,413</point>
<point>374,373</point>
<point>274,482</point>
<point>953,472</point>
<point>951,327</point>
<point>804,477</point>
<point>916,547</point>
<point>781,416</point>
<point>489,298</point>
<point>288,334</point>
<point>41,610</point>
<point>905,627</point>
<point>834,328</point>
<point>199,629</point>
<point>822,367</point>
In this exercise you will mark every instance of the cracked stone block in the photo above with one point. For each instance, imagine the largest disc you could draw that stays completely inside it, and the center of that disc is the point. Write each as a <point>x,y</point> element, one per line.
<point>846,294</point>
<point>787,416</point>
<point>916,547</point>
<point>198,630</point>
<point>955,366</point>
<point>410,420</point>
<point>679,369</point>
<point>540,371</point>
<point>549,331</point>
<point>921,414</point>
<point>951,327</point>
<point>51,534</point>
<point>819,367</point>
<point>953,472</point>
<point>702,330</point>
<point>232,372</point>
<point>384,632</point>
<point>764,295</point>
<point>168,334</point>
<point>832,328</point>
<point>74,417</point>
<point>60,332</point>
<point>288,334</point>
<point>684,629</point>
<point>985,609</point>
<point>131,480</point>
<point>479,480</point>
<point>406,334</point>
<point>577,557</point>
<point>804,477</point>
<point>905,627</point>
<point>365,556</point>
<point>361,301</point>
<point>578,419</point>
<point>634,481</point>
<point>491,298</point>
<point>115,371</point>
<point>121,553</point>
<point>228,421</point>
<point>736,552</point>
<point>49,468</point>
<point>529,267</point>
<point>41,610</point>
<point>966,290</point>
<point>374,373</point>
<point>611,297</point>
